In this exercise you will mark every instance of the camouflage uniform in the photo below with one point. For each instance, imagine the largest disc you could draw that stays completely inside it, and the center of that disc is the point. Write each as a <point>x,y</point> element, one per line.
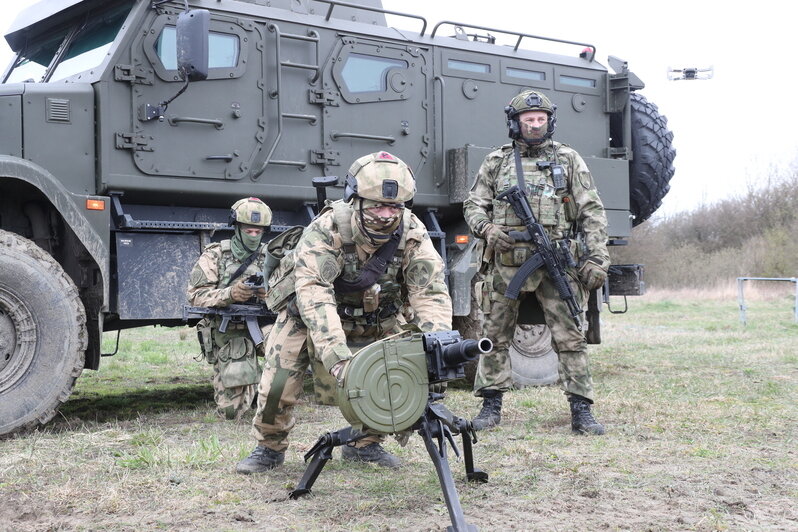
<point>415,276</point>
<point>233,353</point>
<point>578,207</point>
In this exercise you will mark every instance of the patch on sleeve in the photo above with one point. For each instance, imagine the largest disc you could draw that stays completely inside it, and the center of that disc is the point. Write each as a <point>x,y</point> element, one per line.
<point>197,277</point>
<point>585,180</point>
<point>329,270</point>
<point>419,274</point>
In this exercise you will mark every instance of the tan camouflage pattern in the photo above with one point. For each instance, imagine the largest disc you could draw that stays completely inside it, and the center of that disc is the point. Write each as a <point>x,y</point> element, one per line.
<point>252,211</point>
<point>319,258</point>
<point>207,287</point>
<point>557,212</point>
<point>328,338</point>
<point>371,170</point>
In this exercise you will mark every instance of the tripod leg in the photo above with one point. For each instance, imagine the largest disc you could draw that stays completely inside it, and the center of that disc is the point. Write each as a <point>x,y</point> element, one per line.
<point>472,474</point>
<point>319,455</point>
<point>438,455</point>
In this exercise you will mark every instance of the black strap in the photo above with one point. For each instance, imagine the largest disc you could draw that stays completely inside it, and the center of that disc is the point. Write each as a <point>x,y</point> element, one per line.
<point>519,170</point>
<point>243,267</point>
<point>374,267</point>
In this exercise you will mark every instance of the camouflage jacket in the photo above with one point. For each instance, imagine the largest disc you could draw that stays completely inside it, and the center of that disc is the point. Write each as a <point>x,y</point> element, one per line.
<point>319,257</point>
<point>210,277</point>
<point>573,211</point>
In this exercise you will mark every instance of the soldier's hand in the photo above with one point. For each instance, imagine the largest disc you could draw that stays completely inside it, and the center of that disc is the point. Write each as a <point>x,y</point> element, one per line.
<point>240,293</point>
<point>592,274</point>
<point>498,239</point>
<point>337,371</point>
<point>260,293</point>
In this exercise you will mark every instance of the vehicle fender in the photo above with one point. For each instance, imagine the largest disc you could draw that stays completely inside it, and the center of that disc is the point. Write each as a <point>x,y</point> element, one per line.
<point>90,226</point>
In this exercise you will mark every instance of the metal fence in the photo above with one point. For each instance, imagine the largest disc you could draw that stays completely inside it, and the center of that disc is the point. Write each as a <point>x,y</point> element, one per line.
<point>741,294</point>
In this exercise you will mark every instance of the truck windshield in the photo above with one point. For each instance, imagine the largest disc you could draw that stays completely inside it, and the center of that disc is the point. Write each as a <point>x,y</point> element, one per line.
<point>75,48</point>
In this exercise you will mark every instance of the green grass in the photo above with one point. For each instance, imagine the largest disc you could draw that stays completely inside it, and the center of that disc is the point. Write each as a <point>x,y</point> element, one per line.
<point>701,414</point>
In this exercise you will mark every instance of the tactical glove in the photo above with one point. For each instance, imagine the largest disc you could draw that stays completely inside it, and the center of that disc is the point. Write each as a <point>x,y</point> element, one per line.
<point>592,274</point>
<point>240,293</point>
<point>498,239</point>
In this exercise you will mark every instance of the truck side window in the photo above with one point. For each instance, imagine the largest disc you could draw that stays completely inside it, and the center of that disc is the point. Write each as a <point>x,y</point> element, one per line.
<point>366,73</point>
<point>223,49</point>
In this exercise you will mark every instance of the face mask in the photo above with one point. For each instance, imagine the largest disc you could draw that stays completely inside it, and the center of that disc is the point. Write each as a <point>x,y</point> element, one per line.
<point>534,135</point>
<point>243,244</point>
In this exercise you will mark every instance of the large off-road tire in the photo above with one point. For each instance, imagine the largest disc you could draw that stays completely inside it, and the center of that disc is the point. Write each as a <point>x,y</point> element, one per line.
<point>651,168</point>
<point>43,334</point>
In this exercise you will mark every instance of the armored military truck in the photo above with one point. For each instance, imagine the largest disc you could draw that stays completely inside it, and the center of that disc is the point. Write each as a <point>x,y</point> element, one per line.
<point>128,127</point>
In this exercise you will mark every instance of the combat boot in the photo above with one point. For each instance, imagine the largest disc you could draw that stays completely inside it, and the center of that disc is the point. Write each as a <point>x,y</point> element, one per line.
<point>491,414</point>
<point>262,459</point>
<point>373,453</point>
<point>582,420</point>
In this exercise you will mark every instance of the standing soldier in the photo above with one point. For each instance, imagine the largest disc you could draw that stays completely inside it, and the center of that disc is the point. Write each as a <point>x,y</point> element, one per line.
<point>217,280</point>
<point>564,200</point>
<point>356,265</point>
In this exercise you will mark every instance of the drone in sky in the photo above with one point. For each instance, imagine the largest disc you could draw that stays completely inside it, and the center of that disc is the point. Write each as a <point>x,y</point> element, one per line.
<point>690,73</point>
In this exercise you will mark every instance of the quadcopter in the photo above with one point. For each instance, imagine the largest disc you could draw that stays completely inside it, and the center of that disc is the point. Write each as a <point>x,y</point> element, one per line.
<point>690,73</point>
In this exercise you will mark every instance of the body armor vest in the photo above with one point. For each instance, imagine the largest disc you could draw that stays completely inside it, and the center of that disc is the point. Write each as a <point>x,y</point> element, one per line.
<point>553,208</point>
<point>390,282</point>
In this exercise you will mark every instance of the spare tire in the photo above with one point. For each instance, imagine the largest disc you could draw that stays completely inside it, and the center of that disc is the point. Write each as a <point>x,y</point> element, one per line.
<point>651,167</point>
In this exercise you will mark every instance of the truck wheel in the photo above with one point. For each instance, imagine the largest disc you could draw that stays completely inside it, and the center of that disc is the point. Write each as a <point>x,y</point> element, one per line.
<point>43,334</point>
<point>651,168</point>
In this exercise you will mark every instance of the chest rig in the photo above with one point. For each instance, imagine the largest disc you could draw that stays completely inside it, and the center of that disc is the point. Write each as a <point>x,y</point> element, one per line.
<point>228,264</point>
<point>351,304</point>
<point>547,187</point>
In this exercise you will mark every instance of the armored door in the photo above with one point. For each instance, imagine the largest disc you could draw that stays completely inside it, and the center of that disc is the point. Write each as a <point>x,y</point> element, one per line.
<point>375,98</point>
<point>215,128</point>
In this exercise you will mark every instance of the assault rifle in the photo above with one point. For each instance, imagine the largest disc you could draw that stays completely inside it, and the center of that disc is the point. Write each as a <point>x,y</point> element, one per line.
<point>237,314</point>
<point>386,389</point>
<point>554,257</point>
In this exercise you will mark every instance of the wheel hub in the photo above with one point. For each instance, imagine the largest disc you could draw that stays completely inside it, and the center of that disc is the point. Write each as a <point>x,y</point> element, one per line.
<point>17,338</point>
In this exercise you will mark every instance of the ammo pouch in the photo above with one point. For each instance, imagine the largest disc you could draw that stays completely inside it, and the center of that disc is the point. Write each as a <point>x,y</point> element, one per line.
<point>523,250</point>
<point>238,365</point>
<point>281,278</point>
<point>205,337</point>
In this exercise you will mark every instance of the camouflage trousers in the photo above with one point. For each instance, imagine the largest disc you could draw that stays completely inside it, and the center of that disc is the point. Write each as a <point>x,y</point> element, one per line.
<point>494,371</point>
<point>235,402</point>
<point>288,356</point>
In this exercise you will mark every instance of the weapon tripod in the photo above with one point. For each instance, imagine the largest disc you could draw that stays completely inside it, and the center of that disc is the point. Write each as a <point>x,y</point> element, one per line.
<point>436,426</point>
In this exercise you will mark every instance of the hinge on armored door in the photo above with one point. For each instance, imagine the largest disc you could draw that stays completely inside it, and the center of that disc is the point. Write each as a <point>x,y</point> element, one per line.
<point>131,141</point>
<point>323,97</point>
<point>133,74</point>
<point>324,158</point>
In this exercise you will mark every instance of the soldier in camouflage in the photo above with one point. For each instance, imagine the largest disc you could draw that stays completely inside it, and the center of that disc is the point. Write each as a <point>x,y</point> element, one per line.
<point>568,208</point>
<point>217,280</point>
<point>343,297</point>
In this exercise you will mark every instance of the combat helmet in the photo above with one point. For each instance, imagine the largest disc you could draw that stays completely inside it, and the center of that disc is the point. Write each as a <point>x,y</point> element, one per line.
<point>529,100</point>
<point>251,211</point>
<point>380,177</point>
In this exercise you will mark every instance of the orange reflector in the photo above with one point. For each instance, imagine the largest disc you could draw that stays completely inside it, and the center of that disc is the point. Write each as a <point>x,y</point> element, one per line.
<point>95,204</point>
<point>461,239</point>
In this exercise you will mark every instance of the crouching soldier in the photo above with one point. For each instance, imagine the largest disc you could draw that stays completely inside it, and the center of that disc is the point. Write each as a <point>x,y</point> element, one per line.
<point>355,266</point>
<point>217,280</point>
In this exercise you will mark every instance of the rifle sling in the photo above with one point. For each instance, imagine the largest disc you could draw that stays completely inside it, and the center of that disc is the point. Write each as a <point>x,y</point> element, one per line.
<point>244,266</point>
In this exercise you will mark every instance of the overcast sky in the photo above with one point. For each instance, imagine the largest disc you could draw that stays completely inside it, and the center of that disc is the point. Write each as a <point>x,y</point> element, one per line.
<point>731,132</point>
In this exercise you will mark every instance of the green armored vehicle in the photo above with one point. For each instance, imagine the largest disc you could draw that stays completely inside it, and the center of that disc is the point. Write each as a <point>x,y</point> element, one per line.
<point>128,127</point>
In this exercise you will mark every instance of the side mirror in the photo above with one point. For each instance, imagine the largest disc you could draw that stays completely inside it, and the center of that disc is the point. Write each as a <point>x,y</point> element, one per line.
<point>193,28</point>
